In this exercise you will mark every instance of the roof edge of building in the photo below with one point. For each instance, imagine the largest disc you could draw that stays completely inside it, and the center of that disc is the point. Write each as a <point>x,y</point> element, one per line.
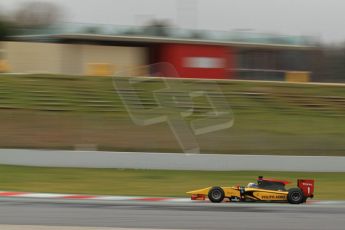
<point>151,39</point>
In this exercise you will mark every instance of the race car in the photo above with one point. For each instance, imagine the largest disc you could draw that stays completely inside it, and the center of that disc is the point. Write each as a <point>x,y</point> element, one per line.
<point>265,190</point>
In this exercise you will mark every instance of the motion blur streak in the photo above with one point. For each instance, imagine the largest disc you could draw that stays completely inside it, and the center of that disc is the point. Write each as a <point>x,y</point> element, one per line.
<point>38,227</point>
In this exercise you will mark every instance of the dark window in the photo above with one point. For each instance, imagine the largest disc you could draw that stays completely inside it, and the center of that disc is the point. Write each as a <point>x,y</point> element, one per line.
<point>271,185</point>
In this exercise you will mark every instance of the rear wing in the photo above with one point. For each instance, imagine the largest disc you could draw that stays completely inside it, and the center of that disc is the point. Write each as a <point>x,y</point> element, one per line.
<point>307,187</point>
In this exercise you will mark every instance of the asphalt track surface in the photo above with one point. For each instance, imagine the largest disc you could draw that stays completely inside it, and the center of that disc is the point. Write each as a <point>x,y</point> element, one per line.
<point>165,215</point>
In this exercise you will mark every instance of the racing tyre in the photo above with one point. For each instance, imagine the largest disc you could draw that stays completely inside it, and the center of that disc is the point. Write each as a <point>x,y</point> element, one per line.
<point>295,196</point>
<point>216,194</point>
<point>305,199</point>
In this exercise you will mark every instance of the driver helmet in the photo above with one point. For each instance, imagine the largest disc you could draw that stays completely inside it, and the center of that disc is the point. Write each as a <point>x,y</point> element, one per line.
<point>252,185</point>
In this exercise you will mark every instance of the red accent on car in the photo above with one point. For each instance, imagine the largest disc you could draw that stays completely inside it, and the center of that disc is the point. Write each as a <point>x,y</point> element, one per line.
<point>198,197</point>
<point>307,187</point>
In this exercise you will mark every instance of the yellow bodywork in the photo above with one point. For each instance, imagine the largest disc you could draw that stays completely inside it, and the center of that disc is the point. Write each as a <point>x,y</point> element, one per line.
<point>250,193</point>
<point>266,195</point>
<point>228,191</point>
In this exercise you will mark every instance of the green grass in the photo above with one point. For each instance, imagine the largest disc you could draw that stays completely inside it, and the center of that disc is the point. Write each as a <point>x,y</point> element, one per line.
<point>149,182</point>
<point>58,112</point>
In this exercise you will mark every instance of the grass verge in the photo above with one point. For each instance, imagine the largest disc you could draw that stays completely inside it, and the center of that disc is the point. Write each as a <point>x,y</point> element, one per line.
<point>329,186</point>
<point>60,112</point>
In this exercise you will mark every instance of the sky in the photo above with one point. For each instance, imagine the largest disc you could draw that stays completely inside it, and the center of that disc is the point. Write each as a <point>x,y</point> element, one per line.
<point>323,19</point>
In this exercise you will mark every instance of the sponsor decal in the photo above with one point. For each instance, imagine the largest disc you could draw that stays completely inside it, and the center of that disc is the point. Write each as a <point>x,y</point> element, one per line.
<point>307,184</point>
<point>273,197</point>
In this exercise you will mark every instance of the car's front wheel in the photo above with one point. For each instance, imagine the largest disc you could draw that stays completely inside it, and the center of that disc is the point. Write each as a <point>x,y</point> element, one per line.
<point>295,196</point>
<point>216,194</point>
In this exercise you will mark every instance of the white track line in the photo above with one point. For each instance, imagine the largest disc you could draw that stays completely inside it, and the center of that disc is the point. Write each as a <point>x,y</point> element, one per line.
<point>40,227</point>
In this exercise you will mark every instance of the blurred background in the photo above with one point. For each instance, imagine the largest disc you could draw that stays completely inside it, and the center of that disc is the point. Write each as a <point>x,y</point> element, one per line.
<point>56,58</point>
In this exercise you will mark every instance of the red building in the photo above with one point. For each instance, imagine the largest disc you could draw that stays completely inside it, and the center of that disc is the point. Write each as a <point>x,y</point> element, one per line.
<point>198,61</point>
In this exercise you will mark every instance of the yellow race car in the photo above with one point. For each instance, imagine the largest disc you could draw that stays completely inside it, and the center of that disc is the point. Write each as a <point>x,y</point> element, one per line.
<point>268,190</point>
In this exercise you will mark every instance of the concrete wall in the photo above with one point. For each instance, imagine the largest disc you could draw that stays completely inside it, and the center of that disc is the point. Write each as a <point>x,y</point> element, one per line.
<point>26,57</point>
<point>171,161</point>
<point>71,59</point>
<point>32,57</point>
<point>120,57</point>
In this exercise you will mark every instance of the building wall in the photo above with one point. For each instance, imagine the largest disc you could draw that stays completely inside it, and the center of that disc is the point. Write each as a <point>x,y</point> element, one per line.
<point>199,61</point>
<point>32,57</point>
<point>71,61</point>
<point>121,58</point>
<point>273,64</point>
<point>27,57</point>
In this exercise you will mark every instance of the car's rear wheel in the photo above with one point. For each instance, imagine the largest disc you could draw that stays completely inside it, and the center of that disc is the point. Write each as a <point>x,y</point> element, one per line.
<point>216,194</point>
<point>305,199</point>
<point>295,196</point>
